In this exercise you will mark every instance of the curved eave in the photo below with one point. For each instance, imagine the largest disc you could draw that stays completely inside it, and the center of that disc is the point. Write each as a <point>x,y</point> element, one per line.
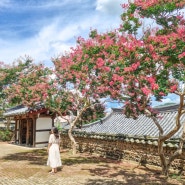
<point>16,112</point>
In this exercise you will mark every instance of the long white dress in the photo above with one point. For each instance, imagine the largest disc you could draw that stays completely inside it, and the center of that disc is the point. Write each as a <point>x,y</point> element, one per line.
<point>54,159</point>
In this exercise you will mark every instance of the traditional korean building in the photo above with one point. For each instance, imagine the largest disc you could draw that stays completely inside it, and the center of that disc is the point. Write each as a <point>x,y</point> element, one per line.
<point>118,137</point>
<point>32,125</point>
<point>117,123</point>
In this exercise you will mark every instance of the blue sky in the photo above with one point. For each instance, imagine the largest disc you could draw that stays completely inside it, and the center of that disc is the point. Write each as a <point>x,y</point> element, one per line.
<point>43,29</point>
<point>171,98</point>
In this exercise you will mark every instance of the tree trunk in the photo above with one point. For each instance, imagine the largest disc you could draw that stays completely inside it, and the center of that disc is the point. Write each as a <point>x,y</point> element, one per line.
<point>73,142</point>
<point>164,163</point>
<point>165,170</point>
<point>72,125</point>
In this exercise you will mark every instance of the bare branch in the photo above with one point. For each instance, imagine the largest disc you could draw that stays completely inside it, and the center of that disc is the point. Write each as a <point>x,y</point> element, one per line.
<point>155,121</point>
<point>177,122</point>
<point>179,150</point>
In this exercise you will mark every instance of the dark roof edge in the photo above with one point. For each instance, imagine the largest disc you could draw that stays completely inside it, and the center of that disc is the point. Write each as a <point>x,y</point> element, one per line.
<point>167,108</point>
<point>21,109</point>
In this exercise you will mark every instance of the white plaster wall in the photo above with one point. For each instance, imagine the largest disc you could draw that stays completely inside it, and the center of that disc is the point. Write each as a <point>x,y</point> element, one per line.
<point>43,136</point>
<point>17,135</point>
<point>17,132</point>
<point>43,123</point>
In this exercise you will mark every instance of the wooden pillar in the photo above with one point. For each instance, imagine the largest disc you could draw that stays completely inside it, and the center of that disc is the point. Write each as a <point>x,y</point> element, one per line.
<point>34,130</point>
<point>27,131</point>
<point>15,132</point>
<point>20,139</point>
<point>18,130</point>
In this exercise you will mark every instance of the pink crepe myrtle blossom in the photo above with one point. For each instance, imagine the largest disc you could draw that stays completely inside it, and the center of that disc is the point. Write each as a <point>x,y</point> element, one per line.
<point>146,91</point>
<point>182,55</point>
<point>117,69</point>
<point>135,65</point>
<point>154,86</point>
<point>100,62</point>
<point>128,69</point>
<point>173,88</point>
<point>161,93</point>
<point>151,80</point>
<point>111,83</point>
<point>107,69</point>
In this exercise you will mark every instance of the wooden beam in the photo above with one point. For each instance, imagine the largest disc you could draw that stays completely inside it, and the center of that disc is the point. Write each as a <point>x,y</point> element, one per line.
<point>20,130</point>
<point>15,131</point>
<point>27,131</point>
<point>34,130</point>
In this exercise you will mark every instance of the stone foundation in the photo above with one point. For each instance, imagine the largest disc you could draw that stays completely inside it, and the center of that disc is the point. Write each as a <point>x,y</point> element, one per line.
<point>119,149</point>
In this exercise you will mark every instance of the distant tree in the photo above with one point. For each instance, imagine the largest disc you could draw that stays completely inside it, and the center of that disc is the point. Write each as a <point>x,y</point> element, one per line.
<point>92,114</point>
<point>65,90</point>
<point>9,75</point>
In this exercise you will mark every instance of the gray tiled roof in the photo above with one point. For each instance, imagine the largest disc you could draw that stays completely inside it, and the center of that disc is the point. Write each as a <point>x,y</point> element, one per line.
<point>117,123</point>
<point>20,110</point>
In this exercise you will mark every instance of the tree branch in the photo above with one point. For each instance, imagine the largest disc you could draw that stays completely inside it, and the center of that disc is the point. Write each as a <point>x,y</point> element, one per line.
<point>177,125</point>
<point>155,121</point>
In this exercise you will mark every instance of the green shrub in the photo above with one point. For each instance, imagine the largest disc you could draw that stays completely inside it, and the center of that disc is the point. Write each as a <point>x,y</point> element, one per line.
<point>5,135</point>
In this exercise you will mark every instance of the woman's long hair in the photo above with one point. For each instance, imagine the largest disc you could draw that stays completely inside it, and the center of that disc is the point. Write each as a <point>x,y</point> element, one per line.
<point>55,132</point>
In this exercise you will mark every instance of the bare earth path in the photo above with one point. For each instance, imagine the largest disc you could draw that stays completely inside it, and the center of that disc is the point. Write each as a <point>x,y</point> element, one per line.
<point>27,166</point>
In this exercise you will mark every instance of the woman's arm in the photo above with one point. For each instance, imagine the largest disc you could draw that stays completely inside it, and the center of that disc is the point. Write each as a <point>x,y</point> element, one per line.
<point>49,145</point>
<point>50,141</point>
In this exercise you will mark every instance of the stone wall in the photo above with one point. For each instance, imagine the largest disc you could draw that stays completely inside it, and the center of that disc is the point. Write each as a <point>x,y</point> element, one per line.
<point>119,149</point>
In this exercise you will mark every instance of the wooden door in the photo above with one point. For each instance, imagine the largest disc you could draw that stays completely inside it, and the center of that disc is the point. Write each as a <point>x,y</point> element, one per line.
<point>27,131</point>
<point>23,131</point>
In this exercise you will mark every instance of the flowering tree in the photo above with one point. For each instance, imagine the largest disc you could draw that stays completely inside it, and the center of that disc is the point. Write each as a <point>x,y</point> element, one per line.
<point>65,90</point>
<point>9,75</point>
<point>125,64</point>
<point>134,66</point>
<point>158,67</point>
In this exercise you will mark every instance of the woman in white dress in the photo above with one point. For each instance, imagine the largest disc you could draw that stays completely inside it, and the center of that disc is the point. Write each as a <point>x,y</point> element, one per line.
<point>54,159</point>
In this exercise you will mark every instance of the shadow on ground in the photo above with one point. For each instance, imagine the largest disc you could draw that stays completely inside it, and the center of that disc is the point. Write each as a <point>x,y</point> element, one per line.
<point>37,157</point>
<point>103,171</point>
<point>119,176</point>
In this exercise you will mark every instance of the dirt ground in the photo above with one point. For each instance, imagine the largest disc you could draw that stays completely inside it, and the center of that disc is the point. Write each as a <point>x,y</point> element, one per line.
<point>22,165</point>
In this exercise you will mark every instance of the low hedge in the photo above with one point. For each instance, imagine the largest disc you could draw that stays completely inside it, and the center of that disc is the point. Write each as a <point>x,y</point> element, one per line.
<point>5,135</point>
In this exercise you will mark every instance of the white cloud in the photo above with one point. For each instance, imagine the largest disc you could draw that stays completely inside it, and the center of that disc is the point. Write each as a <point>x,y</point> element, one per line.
<point>4,3</point>
<point>171,98</point>
<point>52,36</point>
<point>109,6</point>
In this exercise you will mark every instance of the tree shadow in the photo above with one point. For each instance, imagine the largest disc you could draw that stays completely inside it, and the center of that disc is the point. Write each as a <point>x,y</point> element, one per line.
<point>87,159</point>
<point>36,156</point>
<point>39,157</point>
<point>106,171</point>
<point>118,176</point>
<point>105,182</point>
<point>130,182</point>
